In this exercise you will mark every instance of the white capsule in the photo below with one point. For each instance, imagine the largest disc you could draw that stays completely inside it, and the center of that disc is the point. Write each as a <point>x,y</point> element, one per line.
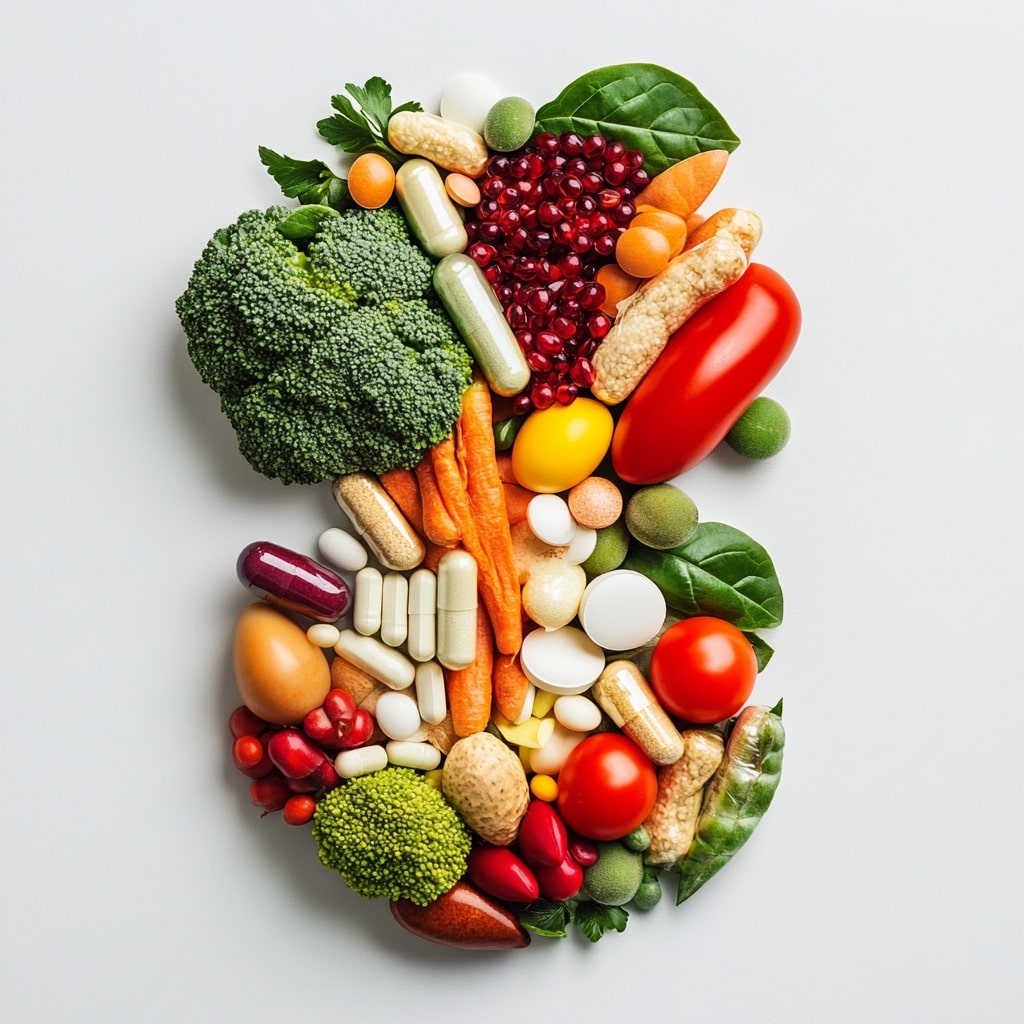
<point>397,715</point>
<point>342,550</point>
<point>394,614</point>
<point>384,663</point>
<point>422,640</point>
<point>361,761</point>
<point>408,754</point>
<point>456,609</point>
<point>430,692</point>
<point>367,603</point>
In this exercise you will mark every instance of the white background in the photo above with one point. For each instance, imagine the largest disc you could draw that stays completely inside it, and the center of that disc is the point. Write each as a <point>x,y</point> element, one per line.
<point>882,146</point>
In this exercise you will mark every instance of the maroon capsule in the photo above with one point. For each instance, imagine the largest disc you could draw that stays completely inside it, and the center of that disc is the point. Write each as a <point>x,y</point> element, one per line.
<point>293,581</point>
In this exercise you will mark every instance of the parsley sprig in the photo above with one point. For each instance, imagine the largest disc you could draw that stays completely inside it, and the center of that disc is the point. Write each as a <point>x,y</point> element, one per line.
<point>358,125</point>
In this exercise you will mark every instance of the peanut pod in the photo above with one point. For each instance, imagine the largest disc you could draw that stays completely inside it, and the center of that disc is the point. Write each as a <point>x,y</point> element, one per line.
<point>736,798</point>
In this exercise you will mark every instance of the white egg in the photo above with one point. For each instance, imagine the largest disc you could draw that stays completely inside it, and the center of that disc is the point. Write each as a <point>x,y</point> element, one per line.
<point>468,98</point>
<point>397,715</point>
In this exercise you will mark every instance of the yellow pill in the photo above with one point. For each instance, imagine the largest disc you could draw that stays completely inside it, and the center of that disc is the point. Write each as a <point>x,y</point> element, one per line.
<point>544,787</point>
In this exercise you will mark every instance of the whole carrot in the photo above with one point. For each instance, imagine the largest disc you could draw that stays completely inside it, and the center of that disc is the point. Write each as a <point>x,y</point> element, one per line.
<point>439,526</point>
<point>510,686</point>
<point>474,440</point>
<point>470,689</point>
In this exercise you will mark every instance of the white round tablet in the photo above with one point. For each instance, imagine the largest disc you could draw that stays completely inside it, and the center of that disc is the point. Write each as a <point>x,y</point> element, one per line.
<point>561,660</point>
<point>621,609</point>
<point>582,545</point>
<point>550,520</point>
<point>467,99</point>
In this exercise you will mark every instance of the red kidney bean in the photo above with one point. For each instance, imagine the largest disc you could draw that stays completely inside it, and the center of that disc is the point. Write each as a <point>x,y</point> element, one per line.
<point>583,851</point>
<point>294,581</point>
<point>543,840</point>
<point>296,758</point>
<point>561,882</point>
<point>501,873</point>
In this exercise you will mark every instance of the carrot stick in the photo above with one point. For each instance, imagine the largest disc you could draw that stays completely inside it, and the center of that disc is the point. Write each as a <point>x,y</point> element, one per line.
<point>470,689</point>
<point>475,445</point>
<point>404,489</point>
<point>510,686</point>
<point>439,526</point>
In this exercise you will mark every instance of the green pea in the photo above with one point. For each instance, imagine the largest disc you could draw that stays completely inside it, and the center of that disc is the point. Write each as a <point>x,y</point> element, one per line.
<point>737,796</point>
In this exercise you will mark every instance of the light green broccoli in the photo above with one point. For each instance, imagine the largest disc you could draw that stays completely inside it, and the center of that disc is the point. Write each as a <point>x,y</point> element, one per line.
<point>328,348</point>
<point>392,834</point>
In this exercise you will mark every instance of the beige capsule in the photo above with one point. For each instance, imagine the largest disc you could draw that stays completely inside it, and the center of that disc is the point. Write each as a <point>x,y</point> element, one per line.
<point>628,700</point>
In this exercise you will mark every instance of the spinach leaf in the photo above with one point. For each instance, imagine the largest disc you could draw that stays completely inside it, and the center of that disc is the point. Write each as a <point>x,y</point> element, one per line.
<point>643,106</point>
<point>309,181</point>
<point>719,571</point>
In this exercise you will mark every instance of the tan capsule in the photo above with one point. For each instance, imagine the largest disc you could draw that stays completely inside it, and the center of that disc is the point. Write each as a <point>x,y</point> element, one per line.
<point>628,700</point>
<point>378,521</point>
<point>453,146</point>
<point>456,609</point>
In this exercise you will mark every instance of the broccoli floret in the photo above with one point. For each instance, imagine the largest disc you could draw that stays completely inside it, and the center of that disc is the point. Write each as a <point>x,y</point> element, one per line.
<point>392,834</point>
<point>329,356</point>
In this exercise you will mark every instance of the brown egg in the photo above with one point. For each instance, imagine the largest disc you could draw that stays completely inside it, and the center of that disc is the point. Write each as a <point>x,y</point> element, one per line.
<point>281,676</point>
<point>595,502</point>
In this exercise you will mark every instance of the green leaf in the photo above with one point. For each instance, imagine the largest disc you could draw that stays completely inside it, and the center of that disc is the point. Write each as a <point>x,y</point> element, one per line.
<point>360,123</point>
<point>718,571</point>
<point>763,651</point>
<point>546,917</point>
<point>645,107</point>
<point>595,919</point>
<point>305,221</point>
<point>296,177</point>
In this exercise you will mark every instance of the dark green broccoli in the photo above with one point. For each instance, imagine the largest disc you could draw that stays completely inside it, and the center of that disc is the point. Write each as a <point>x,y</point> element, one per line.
<point>329,356</point>
<point>392,834</point>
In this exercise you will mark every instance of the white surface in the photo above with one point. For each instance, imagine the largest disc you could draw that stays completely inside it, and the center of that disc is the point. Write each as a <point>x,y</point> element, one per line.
<point>882,146</point>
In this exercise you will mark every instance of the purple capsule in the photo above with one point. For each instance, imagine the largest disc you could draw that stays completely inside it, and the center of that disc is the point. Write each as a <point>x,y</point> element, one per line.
<point>293,581</point>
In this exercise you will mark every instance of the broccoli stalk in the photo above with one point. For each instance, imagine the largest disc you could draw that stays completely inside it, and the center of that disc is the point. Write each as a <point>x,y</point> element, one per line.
<point>331,355</point>
<point>392,834</point>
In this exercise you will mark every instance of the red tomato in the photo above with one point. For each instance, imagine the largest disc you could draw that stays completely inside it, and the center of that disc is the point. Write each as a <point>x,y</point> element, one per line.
<point>703,670</point>
<point>606,787</point>
<point>713,367</point>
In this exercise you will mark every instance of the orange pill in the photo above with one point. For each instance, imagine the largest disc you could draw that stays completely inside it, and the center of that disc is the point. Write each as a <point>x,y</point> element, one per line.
<point>462,189</point>
<point>371,181</point>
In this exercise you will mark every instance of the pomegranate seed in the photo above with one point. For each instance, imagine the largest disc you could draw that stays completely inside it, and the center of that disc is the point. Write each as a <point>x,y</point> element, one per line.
<point>623,213</point>
<point>548,343</point>
<point>542,395</point>
<point>608,199</point>
<point>497,166</point>
<point>616,173</point>
<point>614,151</point>
<point>538,362</point>
<point>593,146</point>
<point>599,325</point>
<point>604,245</point>
<point>639,180</point>
<point>565,393</point>
<point>571,144</point>
<point>549,214</point>
<point>508,196</point>
<point>546,142</point>
<point>493,187</point>
<point>581,242</point>
<point>493,274</point>
<point>563,327</point>
<point>570,186</point>
<point>519,169</point>
<point>570,265</point>
<point>521,404</point>
<point>538,301</point>
<point>592,297</point>
<point>582,372</point>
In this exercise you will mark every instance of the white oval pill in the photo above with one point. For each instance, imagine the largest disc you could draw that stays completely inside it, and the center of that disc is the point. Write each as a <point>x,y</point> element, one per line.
<point>430,693</point>
<point>342,550</point>
<point>577,713</point>
<point>367,605</point>
<point>582,545</point>
<point>397,715</point>
<point>422,756</point>
<point>550,520</point>
<point>562,660</point>
<point>361,761</point>
<point>622,609</point>
<point>467,98</point>
<point>323,634</point>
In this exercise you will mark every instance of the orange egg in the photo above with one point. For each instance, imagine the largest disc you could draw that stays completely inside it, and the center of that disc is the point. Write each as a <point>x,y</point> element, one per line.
<point>642,251</point>
<point>281,676</point>
<point>671,225</point>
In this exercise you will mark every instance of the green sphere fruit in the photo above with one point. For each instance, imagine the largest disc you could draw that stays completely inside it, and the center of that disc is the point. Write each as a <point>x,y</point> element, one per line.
<point>762,431</point>
<point>615,876</point>
<point>509,124</point>
<point>661,516</point>
<point>609,550</point>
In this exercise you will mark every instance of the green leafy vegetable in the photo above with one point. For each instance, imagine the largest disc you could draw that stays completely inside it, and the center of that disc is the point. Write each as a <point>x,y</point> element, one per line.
<point>552,918</point>
<point>718,571</point>
<point>309,181</point>
<point>305,221</point>
<point>644,106</point>
<point>360,122</point>
<point>763,651</point>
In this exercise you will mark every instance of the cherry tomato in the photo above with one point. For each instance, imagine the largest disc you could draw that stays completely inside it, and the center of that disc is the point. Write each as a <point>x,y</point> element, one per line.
<point>712,368</point>
<point>606,787</point>
<point>703,669</point>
